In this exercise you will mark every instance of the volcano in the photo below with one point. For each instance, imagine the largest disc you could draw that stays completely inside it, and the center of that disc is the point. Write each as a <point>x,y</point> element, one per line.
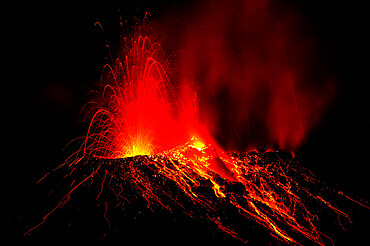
<point>228,190</point>
<point>150,147</point>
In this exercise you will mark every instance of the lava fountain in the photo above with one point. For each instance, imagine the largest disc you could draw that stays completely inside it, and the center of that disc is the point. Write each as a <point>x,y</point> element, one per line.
<point>137,113</point>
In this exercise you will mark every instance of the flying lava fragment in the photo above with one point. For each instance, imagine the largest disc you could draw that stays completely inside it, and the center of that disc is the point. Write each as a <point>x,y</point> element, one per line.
<point>146,139</point>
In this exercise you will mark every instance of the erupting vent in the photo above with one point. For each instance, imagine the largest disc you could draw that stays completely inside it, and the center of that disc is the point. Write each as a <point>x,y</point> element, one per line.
<point>145,141</point>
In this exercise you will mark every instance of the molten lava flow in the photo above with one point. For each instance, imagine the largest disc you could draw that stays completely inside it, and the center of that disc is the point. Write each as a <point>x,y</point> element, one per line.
<point>269,195</point>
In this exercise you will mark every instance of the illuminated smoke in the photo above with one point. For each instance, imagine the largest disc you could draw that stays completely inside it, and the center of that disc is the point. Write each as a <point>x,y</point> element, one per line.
<point>259,75</point>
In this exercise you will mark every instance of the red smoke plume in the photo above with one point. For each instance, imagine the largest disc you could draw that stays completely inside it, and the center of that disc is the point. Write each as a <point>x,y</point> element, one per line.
<point>259,76</point>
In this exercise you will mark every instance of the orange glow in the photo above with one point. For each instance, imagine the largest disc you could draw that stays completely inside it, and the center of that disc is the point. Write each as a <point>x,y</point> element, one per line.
<point>197,144</point>
<point>138,146</point>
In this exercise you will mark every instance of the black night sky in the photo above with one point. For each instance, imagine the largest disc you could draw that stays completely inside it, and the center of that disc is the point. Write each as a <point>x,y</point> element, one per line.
<point>54,57</point>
